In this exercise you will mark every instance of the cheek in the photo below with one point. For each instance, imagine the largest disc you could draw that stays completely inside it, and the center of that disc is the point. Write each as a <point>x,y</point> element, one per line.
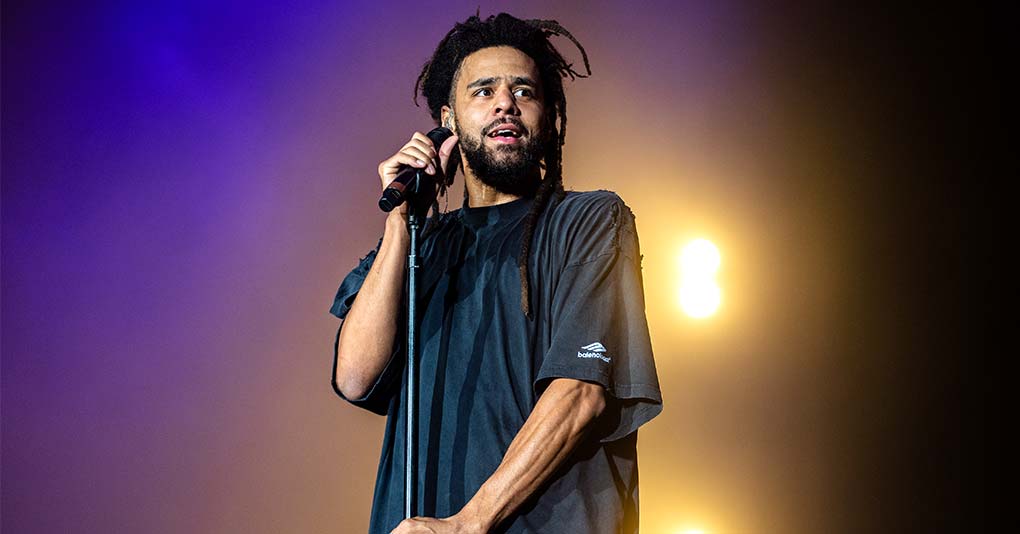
<point>470,123</point>
<point>538,113</point>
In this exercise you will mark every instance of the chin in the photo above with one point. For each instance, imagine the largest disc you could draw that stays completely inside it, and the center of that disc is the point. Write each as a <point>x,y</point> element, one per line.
<point>507,150</point>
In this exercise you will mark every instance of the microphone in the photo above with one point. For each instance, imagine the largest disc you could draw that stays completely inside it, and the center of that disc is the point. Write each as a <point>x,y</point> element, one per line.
<point>412,182</point>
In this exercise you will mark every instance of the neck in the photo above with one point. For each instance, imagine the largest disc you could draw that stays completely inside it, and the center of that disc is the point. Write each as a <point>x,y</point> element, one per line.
<point>481,194</point>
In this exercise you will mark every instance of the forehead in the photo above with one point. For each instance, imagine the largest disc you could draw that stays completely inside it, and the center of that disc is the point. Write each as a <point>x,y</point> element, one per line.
<point>496,61</point>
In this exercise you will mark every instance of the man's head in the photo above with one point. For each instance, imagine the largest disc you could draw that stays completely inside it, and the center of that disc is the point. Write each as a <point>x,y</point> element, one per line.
<point>515,51</point>
<point>496,109</point>
<point>502,73</point>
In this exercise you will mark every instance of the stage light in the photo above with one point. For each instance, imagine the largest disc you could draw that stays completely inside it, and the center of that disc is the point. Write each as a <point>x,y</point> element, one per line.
<point>700,299</point>
<point>700,295</point>
<point>700,258</point>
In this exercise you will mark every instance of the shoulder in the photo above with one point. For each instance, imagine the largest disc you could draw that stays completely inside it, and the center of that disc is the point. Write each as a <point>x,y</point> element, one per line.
<point>592,223</point>
<point>591,204</point>
<point>593,211</point>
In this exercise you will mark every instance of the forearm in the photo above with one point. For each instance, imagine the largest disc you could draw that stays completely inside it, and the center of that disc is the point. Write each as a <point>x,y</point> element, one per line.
<point>369,330</point>
<point>561,419</point>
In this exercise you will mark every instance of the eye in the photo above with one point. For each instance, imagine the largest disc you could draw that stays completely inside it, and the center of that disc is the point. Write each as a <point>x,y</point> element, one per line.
<point>483,92</point>
<point>524,91</point>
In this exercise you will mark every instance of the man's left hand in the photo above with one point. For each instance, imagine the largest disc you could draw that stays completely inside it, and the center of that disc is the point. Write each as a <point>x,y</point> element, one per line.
<point>432,525</point>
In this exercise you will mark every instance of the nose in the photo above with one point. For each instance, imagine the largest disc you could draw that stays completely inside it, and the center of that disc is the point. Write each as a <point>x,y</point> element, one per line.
<point>505,103</point>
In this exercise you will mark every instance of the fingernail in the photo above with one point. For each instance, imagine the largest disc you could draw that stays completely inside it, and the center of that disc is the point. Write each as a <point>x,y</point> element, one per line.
<point>420,162</point>
<point>430,169</point>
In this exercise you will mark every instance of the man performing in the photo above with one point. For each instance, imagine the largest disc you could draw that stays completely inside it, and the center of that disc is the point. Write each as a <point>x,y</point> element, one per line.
<point>536,365</point>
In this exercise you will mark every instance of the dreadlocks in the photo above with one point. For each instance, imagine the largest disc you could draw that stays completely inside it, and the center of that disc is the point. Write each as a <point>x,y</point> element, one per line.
<point>438,78</point>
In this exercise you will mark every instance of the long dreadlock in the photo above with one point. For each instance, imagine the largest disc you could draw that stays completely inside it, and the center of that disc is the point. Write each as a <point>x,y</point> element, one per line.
<point>436,83</point>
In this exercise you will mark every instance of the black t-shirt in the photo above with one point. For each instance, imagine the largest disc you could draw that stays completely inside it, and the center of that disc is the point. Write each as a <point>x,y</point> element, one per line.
<point>484,364</point>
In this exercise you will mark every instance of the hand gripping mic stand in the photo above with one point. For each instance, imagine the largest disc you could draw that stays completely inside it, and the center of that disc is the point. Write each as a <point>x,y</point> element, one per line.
<point>419,190</point>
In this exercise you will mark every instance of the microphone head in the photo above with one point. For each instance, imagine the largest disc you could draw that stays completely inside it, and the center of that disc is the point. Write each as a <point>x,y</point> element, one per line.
<point>439,135</point>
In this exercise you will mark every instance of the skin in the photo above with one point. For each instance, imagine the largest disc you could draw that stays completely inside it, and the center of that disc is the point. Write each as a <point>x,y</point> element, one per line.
<point>492,84</point>
<point>561,419</point>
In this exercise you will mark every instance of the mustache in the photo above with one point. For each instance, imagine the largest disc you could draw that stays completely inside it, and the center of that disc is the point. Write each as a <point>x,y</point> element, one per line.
<point>506,120</point>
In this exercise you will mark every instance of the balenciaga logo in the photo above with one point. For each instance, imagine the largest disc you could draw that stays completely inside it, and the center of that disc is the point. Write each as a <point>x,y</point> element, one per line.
<point>593,350</point>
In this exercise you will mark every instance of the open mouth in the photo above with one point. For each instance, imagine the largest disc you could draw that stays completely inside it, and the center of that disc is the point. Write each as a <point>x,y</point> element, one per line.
<point>506,133</point>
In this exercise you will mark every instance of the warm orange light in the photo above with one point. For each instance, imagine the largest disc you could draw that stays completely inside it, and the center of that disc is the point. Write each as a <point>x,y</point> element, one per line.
<point>700,295</point>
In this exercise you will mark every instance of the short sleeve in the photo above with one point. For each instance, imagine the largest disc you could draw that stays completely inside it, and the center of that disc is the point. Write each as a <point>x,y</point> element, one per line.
<point>378,397</point>
<point>351,284</point>
<point>598,325</point>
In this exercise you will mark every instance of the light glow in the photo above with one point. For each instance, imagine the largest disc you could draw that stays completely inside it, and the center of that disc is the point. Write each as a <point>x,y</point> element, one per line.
<point>700,295</point>
<point>700,258</point>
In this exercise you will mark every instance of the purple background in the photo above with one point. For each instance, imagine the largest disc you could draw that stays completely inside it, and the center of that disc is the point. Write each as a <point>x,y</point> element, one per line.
<point>186,183</point>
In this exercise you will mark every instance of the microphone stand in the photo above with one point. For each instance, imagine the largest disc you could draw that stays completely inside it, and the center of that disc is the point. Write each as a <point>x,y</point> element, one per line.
<point>419,193</point>
<point>411,401</point>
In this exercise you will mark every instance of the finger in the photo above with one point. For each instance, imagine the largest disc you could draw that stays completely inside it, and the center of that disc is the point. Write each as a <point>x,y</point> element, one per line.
<point>428,153</point>
<point>446,150</point>
<point>425,146</point>
<point>405,526</point>
<point>402,158</point>
<point>421,158</point>
<point>418,136</point>
<point>391,167</point>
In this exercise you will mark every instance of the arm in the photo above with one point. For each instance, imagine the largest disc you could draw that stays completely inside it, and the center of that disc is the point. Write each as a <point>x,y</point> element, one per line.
<point>368,332</point>
<point>560,420</point>
<point>367,335</point>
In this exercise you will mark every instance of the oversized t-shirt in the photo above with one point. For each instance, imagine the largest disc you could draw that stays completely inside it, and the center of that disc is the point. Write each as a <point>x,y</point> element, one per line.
<point>483,364</point>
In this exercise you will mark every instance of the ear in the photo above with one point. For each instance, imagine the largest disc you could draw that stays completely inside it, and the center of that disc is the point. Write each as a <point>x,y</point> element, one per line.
<point>448,120</point>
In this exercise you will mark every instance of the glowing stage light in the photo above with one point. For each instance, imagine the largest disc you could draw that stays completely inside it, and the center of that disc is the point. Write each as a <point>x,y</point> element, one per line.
<point>699,258</point>
<point>700,295</point>
<point>700,299</point>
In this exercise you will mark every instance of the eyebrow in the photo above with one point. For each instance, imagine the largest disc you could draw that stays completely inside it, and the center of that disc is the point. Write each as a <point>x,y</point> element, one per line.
<point>517,80</point>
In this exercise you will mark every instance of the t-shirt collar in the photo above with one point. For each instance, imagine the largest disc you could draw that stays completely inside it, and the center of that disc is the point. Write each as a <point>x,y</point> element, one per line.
<point>496,214</point>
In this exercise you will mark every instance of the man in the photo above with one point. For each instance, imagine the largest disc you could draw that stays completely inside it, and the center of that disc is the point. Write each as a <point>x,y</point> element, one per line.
<point>536,364</point>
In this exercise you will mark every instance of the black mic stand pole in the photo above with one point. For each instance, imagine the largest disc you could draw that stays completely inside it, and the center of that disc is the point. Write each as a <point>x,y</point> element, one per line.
<point>419,193</point>
<point>414,191</point>
<point>410,465</point>
<point>418,205</point>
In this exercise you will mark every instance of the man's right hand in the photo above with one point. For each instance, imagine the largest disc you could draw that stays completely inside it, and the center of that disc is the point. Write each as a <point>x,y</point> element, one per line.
<point>418,153</point>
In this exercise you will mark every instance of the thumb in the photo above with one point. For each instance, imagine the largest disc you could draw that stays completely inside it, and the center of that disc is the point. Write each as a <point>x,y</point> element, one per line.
<point>445,150</point>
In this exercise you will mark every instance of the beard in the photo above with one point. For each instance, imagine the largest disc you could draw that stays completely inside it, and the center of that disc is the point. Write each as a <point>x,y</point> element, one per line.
<point>511,169</point>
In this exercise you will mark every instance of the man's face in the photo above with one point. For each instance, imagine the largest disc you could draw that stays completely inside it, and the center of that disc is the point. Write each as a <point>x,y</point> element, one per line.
<point>498,112</point>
